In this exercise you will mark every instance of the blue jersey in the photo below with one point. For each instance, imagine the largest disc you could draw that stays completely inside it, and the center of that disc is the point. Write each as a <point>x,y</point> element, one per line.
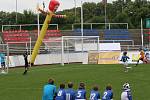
<point>2,57</point>
<point>94,95</point>
<point>61,94</point>
<point>81,94</point>
<point>70,94</point>
<point>107,95</point>
<point>48,92</point>
<point>124,58</point>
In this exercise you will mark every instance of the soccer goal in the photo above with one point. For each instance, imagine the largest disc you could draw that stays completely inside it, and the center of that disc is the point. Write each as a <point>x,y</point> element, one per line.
<point>4,58</point>
<point>69,49</point>
<point>75,48</point>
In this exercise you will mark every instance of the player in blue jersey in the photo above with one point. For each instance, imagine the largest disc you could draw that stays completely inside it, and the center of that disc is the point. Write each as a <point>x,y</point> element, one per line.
<point>61,94</point>
<point>108,93</point>
<point>49,90</point>
<point>126,94</point>
<point>124,59</point>
<point>81,92</point>
<point>95,95</point>
<point>70,93</point>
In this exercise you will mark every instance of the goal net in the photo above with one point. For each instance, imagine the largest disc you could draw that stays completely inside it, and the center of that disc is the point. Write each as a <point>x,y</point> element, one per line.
<point>4,58</point>
<point>72,49</point>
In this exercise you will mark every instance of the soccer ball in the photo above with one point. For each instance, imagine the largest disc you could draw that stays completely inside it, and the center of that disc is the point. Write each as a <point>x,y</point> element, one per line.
<point>126,86</point>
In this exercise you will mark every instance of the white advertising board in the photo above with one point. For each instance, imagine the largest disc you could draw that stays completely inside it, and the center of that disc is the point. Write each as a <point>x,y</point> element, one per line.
<point>94,46</point>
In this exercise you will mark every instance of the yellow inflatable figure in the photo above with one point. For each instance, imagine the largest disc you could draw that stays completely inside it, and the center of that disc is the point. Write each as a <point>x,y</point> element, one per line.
<point>53,6</point>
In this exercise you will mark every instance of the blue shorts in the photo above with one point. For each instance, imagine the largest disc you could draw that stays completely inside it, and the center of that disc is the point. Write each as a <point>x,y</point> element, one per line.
<point>2,63</point>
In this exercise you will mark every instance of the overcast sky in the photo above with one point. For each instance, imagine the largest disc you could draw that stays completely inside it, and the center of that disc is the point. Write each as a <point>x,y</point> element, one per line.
<point>10,5</point>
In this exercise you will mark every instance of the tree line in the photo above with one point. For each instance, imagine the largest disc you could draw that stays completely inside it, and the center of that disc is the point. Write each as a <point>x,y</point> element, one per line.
<point>120,11</point>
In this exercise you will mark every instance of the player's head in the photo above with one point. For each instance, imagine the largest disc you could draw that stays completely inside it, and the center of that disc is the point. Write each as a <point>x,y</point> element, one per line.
<point>51,81</point>
<point>108,87</point>
<point>126,86</point>
<point>70,85</point>
<point>140,48</point>
<point>81,85</point>
<point>62,86</point>
<point>26,53</point>
<point>147,54</point>
<point>95,88</point>
<point>125,53</point>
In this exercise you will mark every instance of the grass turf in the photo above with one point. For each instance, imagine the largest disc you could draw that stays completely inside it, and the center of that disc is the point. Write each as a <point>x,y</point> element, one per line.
<point>15,86</point>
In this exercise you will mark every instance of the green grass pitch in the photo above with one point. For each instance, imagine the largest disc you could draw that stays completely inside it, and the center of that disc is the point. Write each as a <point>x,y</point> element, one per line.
<point>15,86</point>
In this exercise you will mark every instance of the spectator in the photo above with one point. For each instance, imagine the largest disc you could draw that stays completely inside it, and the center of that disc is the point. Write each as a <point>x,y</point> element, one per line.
<point>145,49</point>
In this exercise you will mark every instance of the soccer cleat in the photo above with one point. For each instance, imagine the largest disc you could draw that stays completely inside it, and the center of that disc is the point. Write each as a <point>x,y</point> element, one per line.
<point>3,72</point>
<point>128,67</point>
<point>135,65</point>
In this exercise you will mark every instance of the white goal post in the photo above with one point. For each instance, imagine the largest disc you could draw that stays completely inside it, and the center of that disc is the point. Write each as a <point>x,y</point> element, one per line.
<point>4,58</point>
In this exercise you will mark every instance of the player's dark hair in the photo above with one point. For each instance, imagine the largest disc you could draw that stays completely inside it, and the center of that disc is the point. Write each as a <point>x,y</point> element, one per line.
<point>140,49</point>
<point>147,54</point>
<point>62,86</point>
<point>95,88</point>
<point>108,87</point>
<point>70,85</point>
<point>25,53</point>
<point>125,53</point>
<point>51,81</point>
<point>81,85</point>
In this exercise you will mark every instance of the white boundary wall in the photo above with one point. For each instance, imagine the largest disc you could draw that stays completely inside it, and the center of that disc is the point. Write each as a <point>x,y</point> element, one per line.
<point>70,57</point>
<point>42,59</point>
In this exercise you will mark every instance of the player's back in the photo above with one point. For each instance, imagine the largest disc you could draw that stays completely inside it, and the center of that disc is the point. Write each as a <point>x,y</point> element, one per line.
<point>61,94</point>
<point>70,94</point>
<point>124,58</point>
<point>48,92</point>
<point>80,94</point>
<point>94,95</point>
<point>142,54</point>
<point>107,95</point>
<point>126,95</point>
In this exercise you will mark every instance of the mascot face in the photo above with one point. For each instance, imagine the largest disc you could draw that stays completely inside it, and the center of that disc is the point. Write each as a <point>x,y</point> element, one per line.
<point>53,5</point>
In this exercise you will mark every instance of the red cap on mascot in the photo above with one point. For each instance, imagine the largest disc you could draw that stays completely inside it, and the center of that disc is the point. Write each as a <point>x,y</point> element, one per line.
<point>53,5</point>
